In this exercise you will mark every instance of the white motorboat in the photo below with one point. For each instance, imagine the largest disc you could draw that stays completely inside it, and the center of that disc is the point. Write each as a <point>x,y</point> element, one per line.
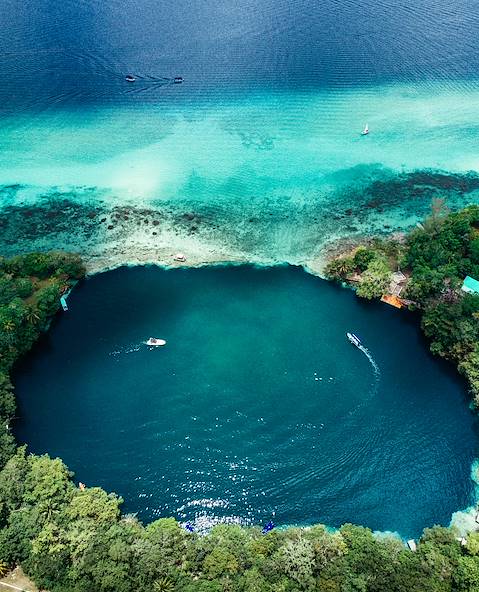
<point>365,131</point>
<point>155,342</point>
<point>354,339</point>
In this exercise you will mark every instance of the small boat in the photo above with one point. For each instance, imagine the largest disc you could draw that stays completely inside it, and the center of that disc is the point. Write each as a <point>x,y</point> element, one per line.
<point>354,339</point>
<point>365,131</point>
<point>154,342</point>
<point>177,79</point>
<point>268,527</point>
<point>130,78</point>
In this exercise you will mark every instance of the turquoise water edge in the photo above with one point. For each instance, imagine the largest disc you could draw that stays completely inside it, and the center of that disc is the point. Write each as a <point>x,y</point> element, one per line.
<point>272,177</point>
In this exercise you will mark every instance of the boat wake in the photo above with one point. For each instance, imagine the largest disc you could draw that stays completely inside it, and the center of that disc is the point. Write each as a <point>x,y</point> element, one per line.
<point>374,387</point>
<point>369,356</point>
<point>126,350</point>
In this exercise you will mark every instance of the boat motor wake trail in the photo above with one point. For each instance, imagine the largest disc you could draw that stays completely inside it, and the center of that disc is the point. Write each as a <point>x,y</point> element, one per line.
<point>354,339</point>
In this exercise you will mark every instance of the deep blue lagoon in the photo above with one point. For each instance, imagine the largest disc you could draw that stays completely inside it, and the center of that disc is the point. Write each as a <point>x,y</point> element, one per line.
<point>257,405</point>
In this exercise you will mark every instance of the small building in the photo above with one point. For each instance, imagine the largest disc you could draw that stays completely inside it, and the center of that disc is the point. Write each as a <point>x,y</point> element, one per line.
<point>398,277</point>
<point>398,283</point>
<point>470,285</point>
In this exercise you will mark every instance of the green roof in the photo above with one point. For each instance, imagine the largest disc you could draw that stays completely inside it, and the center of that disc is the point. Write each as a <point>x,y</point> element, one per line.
<point>470,284</point>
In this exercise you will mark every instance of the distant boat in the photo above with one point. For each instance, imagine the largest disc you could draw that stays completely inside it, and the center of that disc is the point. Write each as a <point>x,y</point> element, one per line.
<point>177,79</point>
<point>365,131</point>
<point>154,342</point>
<point>354,339</point>
<point>130,78</point>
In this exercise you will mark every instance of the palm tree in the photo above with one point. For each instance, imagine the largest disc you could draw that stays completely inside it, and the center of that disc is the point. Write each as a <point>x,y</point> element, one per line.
<point>32,316</point>
<point>4,569</point>
<point>8,326</point>
<point>341,267</point>
<point>164,584</point>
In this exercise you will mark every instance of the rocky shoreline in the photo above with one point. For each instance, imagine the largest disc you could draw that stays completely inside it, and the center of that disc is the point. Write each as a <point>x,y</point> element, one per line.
<point>260,231</point>
<point>127,235</point>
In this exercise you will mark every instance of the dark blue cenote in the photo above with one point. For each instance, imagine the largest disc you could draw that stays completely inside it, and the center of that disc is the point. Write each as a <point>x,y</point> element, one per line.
<point>257,406</point>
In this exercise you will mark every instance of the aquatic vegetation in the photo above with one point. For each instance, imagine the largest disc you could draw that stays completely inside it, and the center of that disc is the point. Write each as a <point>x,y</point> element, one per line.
<point>281,226</point>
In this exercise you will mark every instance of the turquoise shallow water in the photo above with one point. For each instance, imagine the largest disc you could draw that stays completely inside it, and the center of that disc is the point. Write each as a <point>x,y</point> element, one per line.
<point>272,176</point>
<point>268,148</point>
<point>262,138</point>
<point>257,405</point>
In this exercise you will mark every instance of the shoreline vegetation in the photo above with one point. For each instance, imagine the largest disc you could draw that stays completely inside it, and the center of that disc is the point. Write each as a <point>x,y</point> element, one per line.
<point>71,538</point>
<point>424,270</point>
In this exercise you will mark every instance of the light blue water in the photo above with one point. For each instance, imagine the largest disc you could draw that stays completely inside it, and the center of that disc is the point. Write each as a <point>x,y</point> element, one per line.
<point>258,404</point>
<point>266,123</point>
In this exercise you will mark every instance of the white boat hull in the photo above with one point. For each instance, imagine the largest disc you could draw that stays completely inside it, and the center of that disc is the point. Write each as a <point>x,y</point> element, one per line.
<point>154,342</point>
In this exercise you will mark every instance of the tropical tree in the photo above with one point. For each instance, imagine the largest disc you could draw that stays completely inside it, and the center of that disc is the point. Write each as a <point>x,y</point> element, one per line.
<point>375,280</point>
<point>32,315</point>
<point>4,569</point>
<point>8,325</point>
<point>163,585</point>
<point>340,268</point>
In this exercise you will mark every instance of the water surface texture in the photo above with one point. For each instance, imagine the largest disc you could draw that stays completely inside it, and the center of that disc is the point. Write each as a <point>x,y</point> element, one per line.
<point>265,127</point>
<point>257,405</point>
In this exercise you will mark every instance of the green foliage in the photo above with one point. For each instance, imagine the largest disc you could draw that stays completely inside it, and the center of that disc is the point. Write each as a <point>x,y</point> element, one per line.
<point>339,269</point>
<point>469,367</point>
<point>474,250</point>
<point>44,265</point>
<point>94,505</point>
<point>163,585</point>
<point>466,575</point>
<point>375,280</point>
<point>76,540</point>
<point>26,307</point>
<point>437,256</point>
<point>220,562</point>
<point>297,561</point>
<point>24,287</point>
<point>363,257</point>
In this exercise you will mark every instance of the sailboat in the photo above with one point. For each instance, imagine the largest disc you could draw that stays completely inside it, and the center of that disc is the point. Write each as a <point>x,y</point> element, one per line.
<point>365,131</point>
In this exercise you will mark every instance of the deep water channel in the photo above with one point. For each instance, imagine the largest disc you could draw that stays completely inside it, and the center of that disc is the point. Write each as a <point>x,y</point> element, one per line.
<point>257,405</point>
